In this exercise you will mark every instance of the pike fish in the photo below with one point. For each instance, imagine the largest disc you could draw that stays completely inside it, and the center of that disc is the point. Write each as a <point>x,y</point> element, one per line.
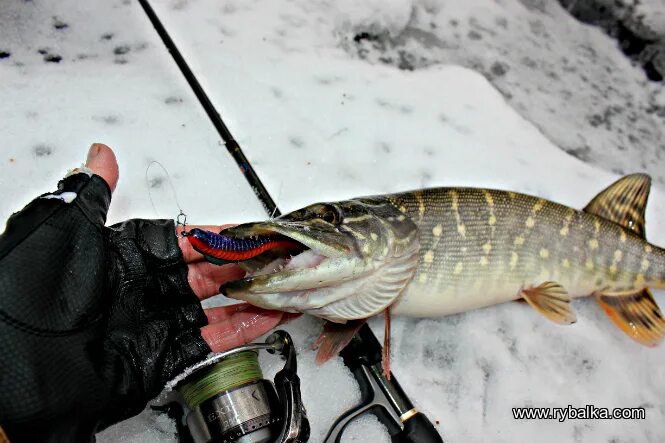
<point>434,252</point>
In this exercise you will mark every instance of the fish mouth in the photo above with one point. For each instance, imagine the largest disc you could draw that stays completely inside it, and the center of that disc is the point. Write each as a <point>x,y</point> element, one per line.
<point>287,279</point>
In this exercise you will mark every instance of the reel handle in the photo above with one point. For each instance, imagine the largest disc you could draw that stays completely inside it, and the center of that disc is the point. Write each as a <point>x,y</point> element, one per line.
<point>383,397</point>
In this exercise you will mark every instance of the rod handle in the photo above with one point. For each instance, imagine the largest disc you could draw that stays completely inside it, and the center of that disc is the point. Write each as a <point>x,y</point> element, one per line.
<point>418,429</point>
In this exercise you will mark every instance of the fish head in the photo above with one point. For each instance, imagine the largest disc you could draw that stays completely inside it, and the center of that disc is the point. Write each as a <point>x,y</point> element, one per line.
<point>355,258</point>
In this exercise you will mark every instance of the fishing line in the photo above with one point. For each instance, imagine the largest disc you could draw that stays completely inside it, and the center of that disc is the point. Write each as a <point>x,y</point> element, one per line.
<point>231,144</point>
<point>236,370</point>
<point>275,211</point>
<point>181,219</point>
<point>271,208</point>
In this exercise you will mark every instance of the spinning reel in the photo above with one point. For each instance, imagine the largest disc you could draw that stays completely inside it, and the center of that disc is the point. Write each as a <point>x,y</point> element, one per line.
<point>229,401</point>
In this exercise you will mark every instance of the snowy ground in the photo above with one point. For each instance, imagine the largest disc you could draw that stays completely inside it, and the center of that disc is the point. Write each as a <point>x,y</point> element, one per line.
<point>510,94</point>
<point>554,71</point>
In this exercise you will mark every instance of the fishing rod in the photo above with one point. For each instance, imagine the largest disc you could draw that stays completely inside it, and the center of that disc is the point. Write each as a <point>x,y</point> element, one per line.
<point>231,144</point>
<point>381,395</point>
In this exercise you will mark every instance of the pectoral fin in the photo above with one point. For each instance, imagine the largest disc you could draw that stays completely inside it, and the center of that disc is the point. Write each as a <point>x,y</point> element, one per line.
<point>552,301</point>
<point>636,314</point>
<point>334,337</point>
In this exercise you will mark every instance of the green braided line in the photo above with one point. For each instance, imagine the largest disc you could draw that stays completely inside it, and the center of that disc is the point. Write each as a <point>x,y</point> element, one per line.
<point>236,370</point>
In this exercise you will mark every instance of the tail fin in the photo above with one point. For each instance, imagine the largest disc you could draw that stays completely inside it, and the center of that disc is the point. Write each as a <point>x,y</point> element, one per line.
<point>635,313</point>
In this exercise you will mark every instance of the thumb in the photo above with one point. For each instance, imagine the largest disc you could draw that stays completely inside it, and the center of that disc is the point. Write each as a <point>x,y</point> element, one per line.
<point>101,160</point>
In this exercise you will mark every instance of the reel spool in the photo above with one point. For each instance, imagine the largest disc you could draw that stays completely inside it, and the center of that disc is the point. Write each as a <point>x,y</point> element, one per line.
<point>230,402</point>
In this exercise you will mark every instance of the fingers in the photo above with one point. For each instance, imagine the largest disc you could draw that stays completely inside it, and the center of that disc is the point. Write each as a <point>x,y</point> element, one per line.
<point>205,278</point>
<point>236,325</point>
<point>224,313</point>
<point>101,160</point>
<point>189,254</point>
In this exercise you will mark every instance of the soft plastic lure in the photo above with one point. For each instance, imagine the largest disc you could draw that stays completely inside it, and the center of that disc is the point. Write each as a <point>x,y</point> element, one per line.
<point>221,249</point>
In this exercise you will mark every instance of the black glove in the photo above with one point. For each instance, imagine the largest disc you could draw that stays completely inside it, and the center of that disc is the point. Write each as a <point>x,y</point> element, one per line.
<point>94,320</point>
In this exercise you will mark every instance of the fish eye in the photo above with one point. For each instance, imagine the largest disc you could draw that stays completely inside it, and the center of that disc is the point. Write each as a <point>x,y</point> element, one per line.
<point>329,214</point>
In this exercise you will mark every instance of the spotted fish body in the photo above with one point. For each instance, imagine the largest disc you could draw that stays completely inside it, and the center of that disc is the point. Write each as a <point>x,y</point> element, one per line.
<point>480,247</point>
<point>441,251</point>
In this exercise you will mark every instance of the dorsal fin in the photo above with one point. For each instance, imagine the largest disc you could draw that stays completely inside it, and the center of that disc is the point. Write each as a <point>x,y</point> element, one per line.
<point>624,202</point>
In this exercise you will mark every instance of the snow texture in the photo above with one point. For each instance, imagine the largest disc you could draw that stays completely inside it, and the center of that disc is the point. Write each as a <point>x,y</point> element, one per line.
<point>556,72</point>
<point>105,77</point>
